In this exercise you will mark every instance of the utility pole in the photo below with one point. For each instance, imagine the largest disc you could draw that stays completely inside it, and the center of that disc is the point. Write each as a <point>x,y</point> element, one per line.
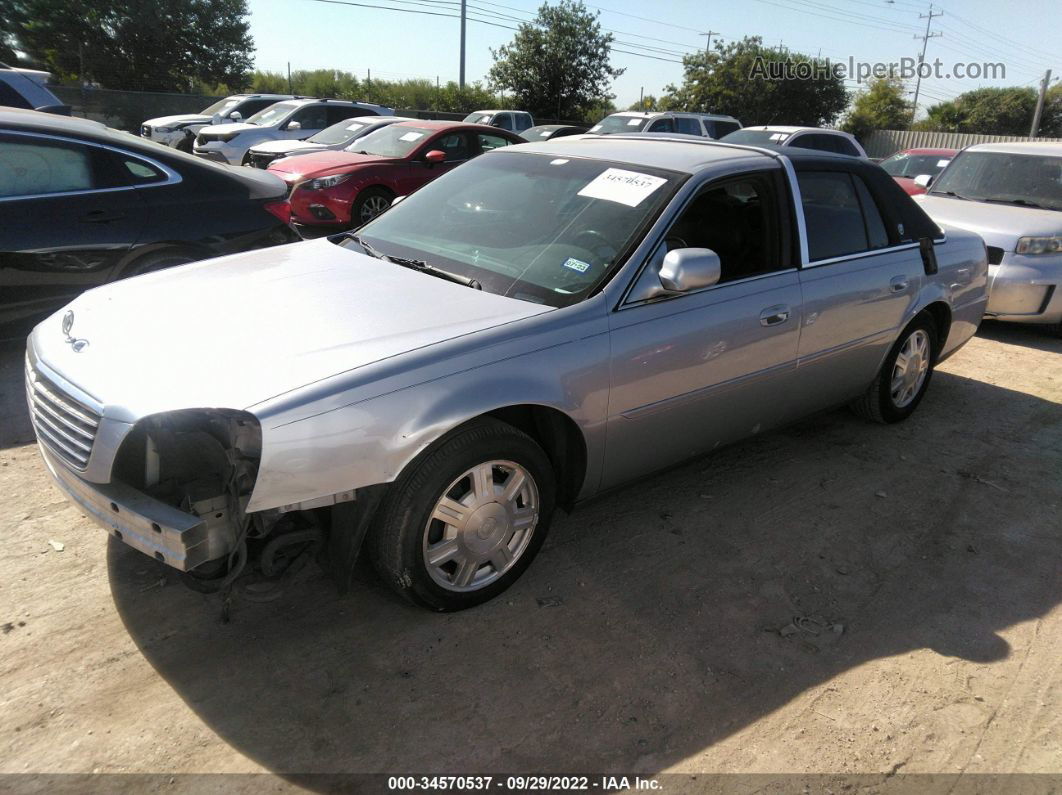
<point>922,56</point>
<point>1040,106</point>
<point>289,78</point>
<point>708,44</point>
<point>461,79</point>
<point>641,98</point>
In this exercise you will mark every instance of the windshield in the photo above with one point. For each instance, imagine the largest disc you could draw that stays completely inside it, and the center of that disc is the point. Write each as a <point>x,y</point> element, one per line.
<point>1004,177</point>
<point>619,124</point>
<point>755,137</point>
<point>902,164</point>
<point>533,227</point>
<point>274,114</point>
<point>221,106</point>
<point>396,140</point>
<point>478,118</point>
<point>338,133</point>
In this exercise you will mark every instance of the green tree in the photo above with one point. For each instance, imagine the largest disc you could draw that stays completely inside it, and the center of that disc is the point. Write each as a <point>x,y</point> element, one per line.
<point>151,45</point>
<point>649,102</point>
<point>558,65</point>
<point>742,78</point>
<point>10,24</point>
<point>881,107</point>
<point>992,111</point>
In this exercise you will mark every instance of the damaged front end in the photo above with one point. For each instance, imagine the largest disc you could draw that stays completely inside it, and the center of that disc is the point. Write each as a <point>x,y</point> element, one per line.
<point>202,464</point>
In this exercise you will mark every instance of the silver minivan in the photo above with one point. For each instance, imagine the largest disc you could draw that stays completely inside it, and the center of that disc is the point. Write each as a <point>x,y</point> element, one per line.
<point>705,125</point>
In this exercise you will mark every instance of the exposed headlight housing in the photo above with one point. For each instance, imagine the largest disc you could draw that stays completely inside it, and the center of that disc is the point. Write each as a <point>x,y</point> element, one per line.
<point>326,182</point>
<point>1040,245</point>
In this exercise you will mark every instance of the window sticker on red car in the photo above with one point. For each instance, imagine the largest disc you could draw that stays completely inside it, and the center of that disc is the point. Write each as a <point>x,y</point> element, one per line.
<point>577,265</point>
<point>622,186</point>
<point>411,136</point>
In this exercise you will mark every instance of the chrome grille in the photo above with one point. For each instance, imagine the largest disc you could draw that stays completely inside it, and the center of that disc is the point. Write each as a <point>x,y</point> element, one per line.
<point>63,424</point>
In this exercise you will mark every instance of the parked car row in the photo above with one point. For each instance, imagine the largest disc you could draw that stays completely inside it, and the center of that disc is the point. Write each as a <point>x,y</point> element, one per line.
<point>525,329</point>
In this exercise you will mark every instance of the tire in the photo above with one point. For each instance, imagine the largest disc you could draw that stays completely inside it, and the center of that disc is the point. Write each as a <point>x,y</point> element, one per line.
<point>369,204</point>
<point>491,541</point>
<point>893,396</point>
<point>157,261</point>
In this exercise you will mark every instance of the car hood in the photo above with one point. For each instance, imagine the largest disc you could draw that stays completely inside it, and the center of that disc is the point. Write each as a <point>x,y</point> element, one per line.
<point>235,331</point>
<point>999,224</point>
<point>326,162</point>
<point>184,118</point>
<point>273,147</point>
<point>234,127</point>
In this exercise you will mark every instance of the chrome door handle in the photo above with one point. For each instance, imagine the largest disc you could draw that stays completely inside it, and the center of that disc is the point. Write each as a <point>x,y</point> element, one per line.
<point>898,284</point>
<point>774,315</point>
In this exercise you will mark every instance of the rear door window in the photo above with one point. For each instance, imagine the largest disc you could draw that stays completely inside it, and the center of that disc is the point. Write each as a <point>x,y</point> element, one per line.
<point>844,146</point>
<point>662,125</point>
<point>338,113</point>
<point>834,216</point>
<point>37,166</point>
<point>684,124</point>
<point>717,129</point>
<point>488,141</point>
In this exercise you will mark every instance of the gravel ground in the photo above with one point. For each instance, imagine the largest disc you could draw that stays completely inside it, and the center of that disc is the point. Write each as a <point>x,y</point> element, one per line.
<point>832,597</point>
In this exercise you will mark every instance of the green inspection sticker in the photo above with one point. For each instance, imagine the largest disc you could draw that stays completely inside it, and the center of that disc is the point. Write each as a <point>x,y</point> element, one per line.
<point>577,265</point>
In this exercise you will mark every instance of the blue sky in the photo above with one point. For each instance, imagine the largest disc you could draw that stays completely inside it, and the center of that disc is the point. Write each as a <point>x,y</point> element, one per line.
<point>312,34</point>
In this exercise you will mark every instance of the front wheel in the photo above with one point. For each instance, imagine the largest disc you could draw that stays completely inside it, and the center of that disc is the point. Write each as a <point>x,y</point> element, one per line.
<point>369,204</point>
<point>904,376</point>
<point>465,522</point>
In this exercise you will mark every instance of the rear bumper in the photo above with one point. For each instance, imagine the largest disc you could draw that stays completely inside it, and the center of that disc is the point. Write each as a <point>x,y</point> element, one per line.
<point>1023,289</point>
<point>178,539</point>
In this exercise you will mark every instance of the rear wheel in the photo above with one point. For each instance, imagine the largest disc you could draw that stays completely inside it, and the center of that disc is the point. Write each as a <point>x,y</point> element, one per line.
<point>462,525</point>
<point>904,376</point>
<point>369,204</point>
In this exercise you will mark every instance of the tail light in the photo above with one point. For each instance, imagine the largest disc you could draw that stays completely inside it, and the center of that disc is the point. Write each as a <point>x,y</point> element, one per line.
<point>281,210</point>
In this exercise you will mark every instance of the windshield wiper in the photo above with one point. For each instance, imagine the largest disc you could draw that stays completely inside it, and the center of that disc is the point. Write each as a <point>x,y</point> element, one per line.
<point>424,267</point>
<point>1020,202</point>
<point>414,264</point>
<point>951,193</point>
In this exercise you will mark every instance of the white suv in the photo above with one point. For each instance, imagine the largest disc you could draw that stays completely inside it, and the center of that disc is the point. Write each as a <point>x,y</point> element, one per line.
<point>179,130</point>
<point>818,138</point>
<point>289,120</point>
<point>706,125</point>
<point>511,120</point>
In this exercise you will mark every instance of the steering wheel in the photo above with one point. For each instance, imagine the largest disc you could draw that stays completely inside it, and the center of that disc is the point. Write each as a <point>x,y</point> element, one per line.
<point>594,241</point>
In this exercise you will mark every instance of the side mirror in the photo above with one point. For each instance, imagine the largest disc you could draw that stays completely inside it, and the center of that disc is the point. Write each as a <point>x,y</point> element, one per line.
<point>294,125</point>
<point>236,116</point>
<point>923,180</point>
<point>686,269</point>
<point>435,156</point>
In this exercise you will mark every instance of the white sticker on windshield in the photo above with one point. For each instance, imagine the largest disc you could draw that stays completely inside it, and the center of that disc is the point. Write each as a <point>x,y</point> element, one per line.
<point>560,161</point>
<point>625,187</point>
<point>544,133</point>
<point>576,264</point>
<point>779,136</point>
<point>632,122</point>
<point>942,163</point>
<point>411,136</point>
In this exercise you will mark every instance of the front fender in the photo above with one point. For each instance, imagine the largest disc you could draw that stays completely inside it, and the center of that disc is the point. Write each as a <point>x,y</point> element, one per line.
<point>307,456</point>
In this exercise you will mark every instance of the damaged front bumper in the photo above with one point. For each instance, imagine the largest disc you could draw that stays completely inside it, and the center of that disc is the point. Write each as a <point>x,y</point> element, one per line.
<point>178,539</point>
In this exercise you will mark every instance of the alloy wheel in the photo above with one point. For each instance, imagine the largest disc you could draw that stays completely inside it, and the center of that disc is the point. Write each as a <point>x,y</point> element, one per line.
<point>910,370</point>
<point>480,525</point>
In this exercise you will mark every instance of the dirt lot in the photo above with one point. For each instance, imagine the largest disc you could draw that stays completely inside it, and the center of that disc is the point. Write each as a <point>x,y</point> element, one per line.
<point>645,637</point>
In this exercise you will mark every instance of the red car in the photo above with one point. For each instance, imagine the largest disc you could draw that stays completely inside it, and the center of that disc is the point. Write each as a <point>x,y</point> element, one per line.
<point>343,189</point>
<point>906,165</point>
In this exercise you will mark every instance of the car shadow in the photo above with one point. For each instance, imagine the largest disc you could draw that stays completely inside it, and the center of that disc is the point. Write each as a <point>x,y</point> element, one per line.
<point>654,623</point>
<point>1042,338</point>
<point>15,427</point>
